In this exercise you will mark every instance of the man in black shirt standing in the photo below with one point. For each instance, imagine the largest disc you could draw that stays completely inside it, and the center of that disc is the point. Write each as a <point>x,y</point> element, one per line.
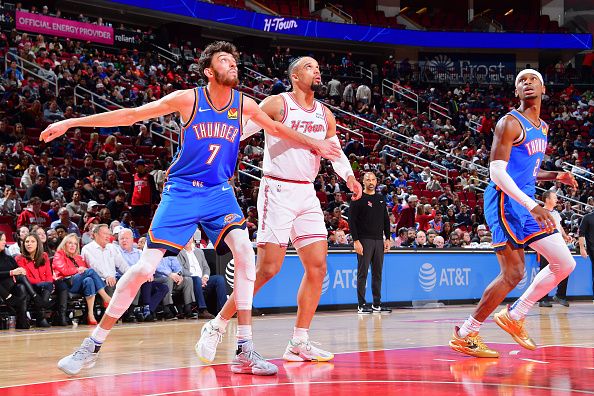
<point>369,223</point>
<point>587,240</point>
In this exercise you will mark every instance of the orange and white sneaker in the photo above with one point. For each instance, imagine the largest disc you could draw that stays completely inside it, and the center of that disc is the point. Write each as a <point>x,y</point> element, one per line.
<point>515,328</point>
<point>471,345</point>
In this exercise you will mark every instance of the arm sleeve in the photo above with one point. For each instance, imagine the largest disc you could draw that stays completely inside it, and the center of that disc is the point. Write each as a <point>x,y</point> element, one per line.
<point>342,166</point>
<point>249,129</point>
<point>498,173</point>
<point>353,213</point>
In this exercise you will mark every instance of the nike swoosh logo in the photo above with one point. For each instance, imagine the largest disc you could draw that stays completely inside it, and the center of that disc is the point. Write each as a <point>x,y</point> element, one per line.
<point>226,188</point>
<point>527,129</point>
<point>201,110</point>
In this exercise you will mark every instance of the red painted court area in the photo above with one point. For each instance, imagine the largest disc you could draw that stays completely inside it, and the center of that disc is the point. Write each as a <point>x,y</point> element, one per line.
<point>552,370</point>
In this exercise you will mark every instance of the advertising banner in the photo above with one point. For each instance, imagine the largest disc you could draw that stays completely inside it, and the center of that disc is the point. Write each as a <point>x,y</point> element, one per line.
<point>127,38</point>
<point>63,28</point>
<point>409,277</point>
<point>497,67</point>
<point>362,33</point>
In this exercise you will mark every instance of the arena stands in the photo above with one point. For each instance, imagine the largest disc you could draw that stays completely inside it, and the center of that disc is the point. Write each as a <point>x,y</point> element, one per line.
<point>430,154</point>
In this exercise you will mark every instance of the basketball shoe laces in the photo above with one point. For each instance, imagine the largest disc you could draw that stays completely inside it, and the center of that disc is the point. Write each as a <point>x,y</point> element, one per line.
<point>81,353</point>
<point>254,357</point>
<point>477,341</point>
<point>218,335</point>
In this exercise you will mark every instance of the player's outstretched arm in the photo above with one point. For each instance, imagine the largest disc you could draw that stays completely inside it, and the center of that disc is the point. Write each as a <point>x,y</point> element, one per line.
<point>261,117</point>
<point>342,165</point>
<point>166,105</point>
<point>508,129</point>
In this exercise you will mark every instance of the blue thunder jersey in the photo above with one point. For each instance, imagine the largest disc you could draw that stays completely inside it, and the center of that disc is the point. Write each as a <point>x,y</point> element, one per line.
<point>527,154</point>
<point>508,220</point>
<point>208,142</point>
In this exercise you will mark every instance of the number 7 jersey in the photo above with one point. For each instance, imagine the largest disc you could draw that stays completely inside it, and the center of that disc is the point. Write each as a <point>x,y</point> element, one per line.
<point>208,142</point>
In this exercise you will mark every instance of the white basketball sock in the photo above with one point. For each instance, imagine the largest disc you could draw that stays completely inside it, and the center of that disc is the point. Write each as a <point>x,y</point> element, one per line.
<point>471,325</point>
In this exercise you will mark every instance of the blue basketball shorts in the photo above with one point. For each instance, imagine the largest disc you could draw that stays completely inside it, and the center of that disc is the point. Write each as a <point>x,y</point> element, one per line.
<point>183,206</point>
<point>509,221</point>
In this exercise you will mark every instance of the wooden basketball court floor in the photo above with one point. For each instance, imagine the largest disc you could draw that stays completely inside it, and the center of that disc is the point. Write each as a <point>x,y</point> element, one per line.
<point>402,353</point>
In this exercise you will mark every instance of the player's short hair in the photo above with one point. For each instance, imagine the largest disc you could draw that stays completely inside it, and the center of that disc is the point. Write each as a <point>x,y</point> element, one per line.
<point>292,67</point>
<point>205,60</point>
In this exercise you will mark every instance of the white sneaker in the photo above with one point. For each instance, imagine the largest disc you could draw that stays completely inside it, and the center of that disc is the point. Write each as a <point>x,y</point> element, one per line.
<point>83,357</point>
<point>210,338</point>
<point>248,361</point>
<point>302,351</point>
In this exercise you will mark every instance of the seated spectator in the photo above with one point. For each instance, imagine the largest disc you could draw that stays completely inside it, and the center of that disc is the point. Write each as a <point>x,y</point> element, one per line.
<point>338,222</point>
<point>439,242</point>
<point>170,272</point>
<point>39,273</point>
<point>55,189</point>
<point>10,203</point>
<point>76,208</point>
<point>150,293</point>
<point>420,240</point>
<point>425,213</point>
<point>431,234</point>
<point>454,240</point>
<point>117,205</point>
<point>28,177</point>
<point>402,237</point>
<point>13,292</point>
<point>33,215</point>
<point>53,113</point>
<point>141,243</point>
<point>340,240</point>
<point>87,236</point>
<point>15,249</point>
<point>64,220</point>
<point>109,148</point>
<point>194,264</point>
<point>127,222</point>
<point>411,235</point>
<point>463,218</point>
<point>71,268</point>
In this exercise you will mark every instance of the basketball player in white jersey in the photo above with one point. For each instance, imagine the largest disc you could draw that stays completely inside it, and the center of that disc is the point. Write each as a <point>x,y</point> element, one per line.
<point>289,209</point>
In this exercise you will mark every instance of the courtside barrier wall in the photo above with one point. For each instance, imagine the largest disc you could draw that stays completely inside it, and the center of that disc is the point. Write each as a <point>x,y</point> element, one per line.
<point>407,276</point>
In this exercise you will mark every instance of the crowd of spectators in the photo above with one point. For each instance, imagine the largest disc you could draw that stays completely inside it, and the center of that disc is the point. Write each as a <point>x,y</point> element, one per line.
<point>72,195</point>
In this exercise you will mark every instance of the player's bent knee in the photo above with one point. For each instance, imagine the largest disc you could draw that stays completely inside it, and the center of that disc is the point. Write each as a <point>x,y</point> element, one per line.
<point>514,276</point>
<point>316,269</point>
<point>267,271</point>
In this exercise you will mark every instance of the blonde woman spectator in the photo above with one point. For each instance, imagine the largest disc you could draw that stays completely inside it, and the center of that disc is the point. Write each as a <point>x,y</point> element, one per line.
<point>71,267</point>
<point>29,177</point>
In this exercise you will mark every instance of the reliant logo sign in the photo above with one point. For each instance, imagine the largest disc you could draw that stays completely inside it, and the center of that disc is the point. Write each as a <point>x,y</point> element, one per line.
<point>451,277</point>
<point>279,24</point>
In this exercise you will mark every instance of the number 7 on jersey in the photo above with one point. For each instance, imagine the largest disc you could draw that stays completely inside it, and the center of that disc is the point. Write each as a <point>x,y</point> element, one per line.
<point>214,150</point>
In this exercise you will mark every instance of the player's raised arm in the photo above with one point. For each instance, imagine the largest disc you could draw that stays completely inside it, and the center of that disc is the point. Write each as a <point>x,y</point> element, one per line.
<point>174,102</point>
<point>506,132</point>
<point>342,165</point>
<point>251,111</point>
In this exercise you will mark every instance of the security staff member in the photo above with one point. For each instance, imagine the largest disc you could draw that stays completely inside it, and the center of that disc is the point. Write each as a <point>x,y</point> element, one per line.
<point>369,224</point>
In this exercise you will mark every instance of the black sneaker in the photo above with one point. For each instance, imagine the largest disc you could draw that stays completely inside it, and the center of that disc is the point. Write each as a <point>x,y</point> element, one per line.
<point>561,301</point>
<point>545,304</point>
<point>364,309</point>
<point>380,309</point>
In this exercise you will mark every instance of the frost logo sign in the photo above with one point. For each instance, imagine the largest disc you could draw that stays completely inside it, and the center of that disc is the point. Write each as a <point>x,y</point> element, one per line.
<point>279,24</point>
<point>427,277</point>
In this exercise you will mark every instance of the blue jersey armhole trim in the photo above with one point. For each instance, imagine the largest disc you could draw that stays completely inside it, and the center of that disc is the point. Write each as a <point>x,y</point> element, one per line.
<point>194,110</point>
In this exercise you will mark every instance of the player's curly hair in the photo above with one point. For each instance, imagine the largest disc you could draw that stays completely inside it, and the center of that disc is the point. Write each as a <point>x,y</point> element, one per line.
<point>205,60</point>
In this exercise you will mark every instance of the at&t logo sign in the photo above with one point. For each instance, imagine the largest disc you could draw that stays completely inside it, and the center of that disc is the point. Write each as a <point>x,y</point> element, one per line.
<point>427,277</point>
<point>451,277</point>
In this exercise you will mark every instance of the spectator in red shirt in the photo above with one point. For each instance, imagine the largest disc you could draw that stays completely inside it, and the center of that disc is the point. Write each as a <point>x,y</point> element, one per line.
<point>71,268</point>
<point>39,273</point>
<point>407,215</point>
<point>424,215</point>
<point>33,215</point>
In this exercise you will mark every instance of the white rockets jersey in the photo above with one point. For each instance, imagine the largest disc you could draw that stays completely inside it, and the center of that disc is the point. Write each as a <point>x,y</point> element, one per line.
<point>282,157</point>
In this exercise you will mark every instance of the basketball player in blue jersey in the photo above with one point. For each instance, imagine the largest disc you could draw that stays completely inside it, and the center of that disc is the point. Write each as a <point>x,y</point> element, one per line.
<point>196,191</point>
<point>517,221</point>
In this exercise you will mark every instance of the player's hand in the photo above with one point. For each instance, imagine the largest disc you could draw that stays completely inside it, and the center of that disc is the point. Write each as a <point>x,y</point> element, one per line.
<point>54,130</point>
<point>355,187</point>
<point>543,218</point>
<point>110,281</point>
<point>568,179</point>
<point>327,149</point>
<point>358,247</point>
<point>386,245</point>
